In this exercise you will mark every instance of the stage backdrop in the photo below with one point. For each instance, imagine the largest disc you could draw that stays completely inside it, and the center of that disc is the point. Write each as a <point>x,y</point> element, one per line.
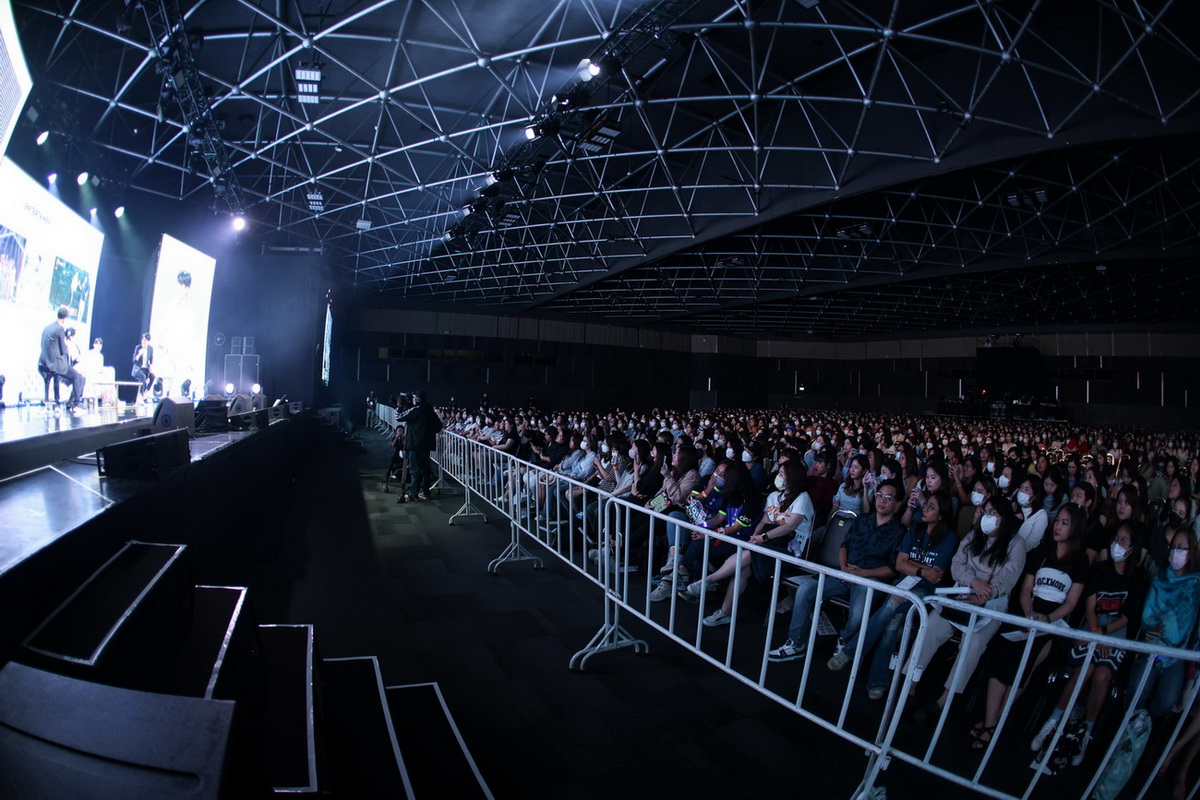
<point>179,317</point>
<point>49,257</point>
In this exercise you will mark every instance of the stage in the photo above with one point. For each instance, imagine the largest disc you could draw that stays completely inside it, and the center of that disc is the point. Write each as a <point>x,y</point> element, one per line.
<point>49,481</point>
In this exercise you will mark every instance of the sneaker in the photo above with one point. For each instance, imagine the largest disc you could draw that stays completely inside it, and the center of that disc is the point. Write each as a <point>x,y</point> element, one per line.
<point>1077,759</point>
<point>661,592</point>
<point>593,554</point>
<point>672,562</point>
<point>716,618</point>
<point>1045,733</point>
<point>696,587</point>
<point>839,659</point>
<point>788,651</point>
<point>876,693</point>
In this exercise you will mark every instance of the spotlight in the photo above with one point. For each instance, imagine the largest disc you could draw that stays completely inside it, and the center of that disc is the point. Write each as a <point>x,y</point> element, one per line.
<point>229,388</point>
<point>43,137</point>
<point>82,178</point>
<point>239,223</point>
<point>530,133</point>
<point>51,178</point>
<point>119,212</point>
<point>255,389</point>
<point>92,212</point>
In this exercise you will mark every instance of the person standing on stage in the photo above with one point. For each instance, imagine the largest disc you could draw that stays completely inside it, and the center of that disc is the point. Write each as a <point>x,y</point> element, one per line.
<point>55,363</point>
<point>421,426</point>
<point>143,363</point>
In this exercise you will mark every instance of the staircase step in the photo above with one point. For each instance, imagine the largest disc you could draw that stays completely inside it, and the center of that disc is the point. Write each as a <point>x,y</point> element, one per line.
<point>440,765</point>
<point>288,755</point>
<point>122,623</point>
<point>218,636</point>
<point>359,726</point>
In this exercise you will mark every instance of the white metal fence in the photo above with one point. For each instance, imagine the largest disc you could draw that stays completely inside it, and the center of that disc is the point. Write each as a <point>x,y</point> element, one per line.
<point>619,546</point>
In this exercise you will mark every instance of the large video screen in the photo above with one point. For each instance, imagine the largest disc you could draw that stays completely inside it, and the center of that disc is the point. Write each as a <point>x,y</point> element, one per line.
<point>49,257</point>
<point>328,344</point>
<point>15,81</point>
<point>183,284</point>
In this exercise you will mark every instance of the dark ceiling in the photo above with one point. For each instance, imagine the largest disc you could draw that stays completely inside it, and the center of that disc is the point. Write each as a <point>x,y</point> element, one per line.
<point>847,170</point>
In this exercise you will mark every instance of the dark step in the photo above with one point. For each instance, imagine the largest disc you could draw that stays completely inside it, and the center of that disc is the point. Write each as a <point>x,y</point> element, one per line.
<point>123,623</point>
<point>65,737</point>
<point>288,747</point>
<point>439,763</point>
<point>219,637</point>
<point>362,744</point>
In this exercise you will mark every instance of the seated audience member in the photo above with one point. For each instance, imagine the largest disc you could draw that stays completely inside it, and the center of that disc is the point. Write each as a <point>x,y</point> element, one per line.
<point>989,561</point>
<point>1113,594</point>
<point>753,458</point>
<point>922,562</point>
<point>868,551</point>
<point>786,523</point>
<point>821,487</point>
<point>1031,511</point>
<point>937,479</point>
<point>1054,578</point>
<point>853,493</point>
<point>734,514</point>
<point>1168,619</point>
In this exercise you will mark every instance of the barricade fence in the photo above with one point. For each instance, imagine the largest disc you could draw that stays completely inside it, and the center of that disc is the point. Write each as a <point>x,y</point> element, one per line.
<point>620,546</point>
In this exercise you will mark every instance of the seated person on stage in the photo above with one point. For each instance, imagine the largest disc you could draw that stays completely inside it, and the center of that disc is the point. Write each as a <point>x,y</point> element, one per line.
<point>143,364</point>
<point>868,551</point>
<point>55,362</point>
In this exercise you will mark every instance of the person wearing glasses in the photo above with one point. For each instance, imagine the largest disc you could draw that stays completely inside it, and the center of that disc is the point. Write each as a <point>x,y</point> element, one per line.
<point>868,551</point>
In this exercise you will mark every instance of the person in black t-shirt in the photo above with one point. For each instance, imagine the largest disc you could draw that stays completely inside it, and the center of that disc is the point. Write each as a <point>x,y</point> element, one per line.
<point>1054,579</point>
<point>1112,597</point>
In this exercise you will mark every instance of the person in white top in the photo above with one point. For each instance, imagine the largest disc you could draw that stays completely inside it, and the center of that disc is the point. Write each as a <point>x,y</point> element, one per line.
<point>787,521</point>
<point>1031,511</point>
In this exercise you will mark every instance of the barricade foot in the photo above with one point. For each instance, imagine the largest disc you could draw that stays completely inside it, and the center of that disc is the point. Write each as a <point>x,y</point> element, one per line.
<point>467,511</point>
<point>611,636</point>
<point>514,552</point>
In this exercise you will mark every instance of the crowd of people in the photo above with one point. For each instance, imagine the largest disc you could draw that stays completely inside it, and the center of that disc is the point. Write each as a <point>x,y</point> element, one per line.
<point>1092,528</point>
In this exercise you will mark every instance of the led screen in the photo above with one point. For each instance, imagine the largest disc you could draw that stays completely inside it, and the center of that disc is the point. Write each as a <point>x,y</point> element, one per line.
<point>328,343</point>
<point>183,284</point>
<point>49,257</point>
<point>15,81</point>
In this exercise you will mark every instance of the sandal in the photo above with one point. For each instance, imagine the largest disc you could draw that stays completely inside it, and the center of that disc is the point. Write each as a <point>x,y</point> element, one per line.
<point>977,735</point>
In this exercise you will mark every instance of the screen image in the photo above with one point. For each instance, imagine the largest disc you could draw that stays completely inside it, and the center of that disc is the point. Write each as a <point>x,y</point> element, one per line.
<point>15,80</point>
<point>49,256</point>
<point>328,343</point>
<point>183,284</point>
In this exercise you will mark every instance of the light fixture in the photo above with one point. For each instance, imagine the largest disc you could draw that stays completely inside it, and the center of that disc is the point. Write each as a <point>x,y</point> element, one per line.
<point>239,223</point>
<point>308,83</point>
<point>363,224</point>
<point>229,388</point>
<point>544,127</point>
<point>316,201</point>
<point>119,212</point>
<point>43,137</point>
<point>82,178</point>
<point>255,388</point>
<point>52,178</point>
<point>92,212</point>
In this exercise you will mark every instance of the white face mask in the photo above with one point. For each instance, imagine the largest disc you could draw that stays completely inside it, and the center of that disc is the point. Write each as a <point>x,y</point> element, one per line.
<point>990,466</point>
<point>604,448</point>
<point>584,444</point>
<point>1179,559</point>
<point>1117,552</point>
<point>988,524</point>
<point>746,456</point>
<point>977,498</point>
<point>729,452</point>
<point>1023,499</point>
<point>1003,481</point>
<point>780,483</point>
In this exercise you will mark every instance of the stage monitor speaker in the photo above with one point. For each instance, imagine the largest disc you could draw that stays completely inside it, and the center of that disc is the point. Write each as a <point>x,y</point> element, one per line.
<point>277,411</point>
<point>241,404</point>
<point>172,413</point>
<point>295,406</point>
<point>212,415</point>
<point>145,457</point>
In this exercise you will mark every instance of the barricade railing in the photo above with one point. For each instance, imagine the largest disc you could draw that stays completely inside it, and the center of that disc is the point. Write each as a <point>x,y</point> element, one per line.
<point>619,545</point>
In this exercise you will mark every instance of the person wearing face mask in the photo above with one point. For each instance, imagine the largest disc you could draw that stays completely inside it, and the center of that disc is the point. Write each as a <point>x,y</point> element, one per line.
<point>1168,619</point>
<point>989,561</point>
<point>1031,511</point>
<point>982,488</point>
<point>752,457</point>
<point>1112,596</point>
<point>786,521</point>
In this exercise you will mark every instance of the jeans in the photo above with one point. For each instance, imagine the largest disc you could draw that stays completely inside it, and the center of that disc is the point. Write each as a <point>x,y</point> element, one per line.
<point>1163,687</point>
<point>418,468</point>
<point>884,627</point>
<point>806,599</point>
<point>677,537</point>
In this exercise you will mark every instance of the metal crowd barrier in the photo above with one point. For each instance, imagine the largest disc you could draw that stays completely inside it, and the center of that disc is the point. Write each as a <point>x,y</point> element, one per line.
<point>568,519</point>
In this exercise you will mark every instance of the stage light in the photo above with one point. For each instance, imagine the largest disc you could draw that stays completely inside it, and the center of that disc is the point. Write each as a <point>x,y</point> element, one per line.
<point>51,178</point>
<point>43,137</point>
<point>255,389</point>
<point>239,223</point>
<point>530,133</point>
<point>92,212</point>
<point>82,178</point>
<point>229,388</point>
<point>119,212</point>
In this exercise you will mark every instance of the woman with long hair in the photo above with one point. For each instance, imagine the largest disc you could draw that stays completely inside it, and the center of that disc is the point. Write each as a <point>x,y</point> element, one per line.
<point>1031,510</point>
<point>989,562</point>
<point>854,493</point>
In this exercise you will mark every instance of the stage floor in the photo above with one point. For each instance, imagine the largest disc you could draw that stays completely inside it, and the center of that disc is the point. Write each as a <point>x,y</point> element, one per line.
<point>39,505</point>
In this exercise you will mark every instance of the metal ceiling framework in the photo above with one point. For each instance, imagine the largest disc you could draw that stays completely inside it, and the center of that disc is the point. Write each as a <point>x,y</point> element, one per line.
<point>756,167</point>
